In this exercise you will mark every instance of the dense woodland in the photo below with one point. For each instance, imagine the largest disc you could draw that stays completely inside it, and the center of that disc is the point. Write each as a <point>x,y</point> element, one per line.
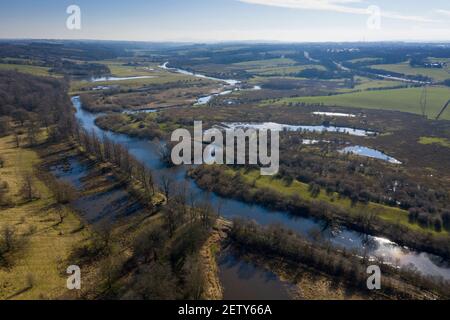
<point>32,103</point>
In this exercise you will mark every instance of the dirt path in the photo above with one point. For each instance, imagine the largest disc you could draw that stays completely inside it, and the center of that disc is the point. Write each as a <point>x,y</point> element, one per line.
<point>208,253</point>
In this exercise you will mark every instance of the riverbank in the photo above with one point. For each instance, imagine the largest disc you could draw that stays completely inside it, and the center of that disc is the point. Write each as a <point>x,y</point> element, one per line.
<point>276,263</point>
<point>44,231</point>
<point>208,253</point>
<point>347,238</point>
<point>218,180</point>
<point>289,252</point>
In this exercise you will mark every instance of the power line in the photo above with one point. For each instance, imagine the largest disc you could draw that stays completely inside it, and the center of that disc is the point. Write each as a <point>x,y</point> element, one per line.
<point>423,100</point>
<point>443,110</point>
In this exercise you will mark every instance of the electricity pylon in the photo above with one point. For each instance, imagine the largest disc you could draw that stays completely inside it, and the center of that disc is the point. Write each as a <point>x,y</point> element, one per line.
<point>423,100</point>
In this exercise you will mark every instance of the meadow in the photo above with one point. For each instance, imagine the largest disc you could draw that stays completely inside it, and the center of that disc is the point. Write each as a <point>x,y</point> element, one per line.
<point>34,70</point>
<point>37,269</point>
<point>405,100</point>
<point>389,214</point>
<point>405,68</point>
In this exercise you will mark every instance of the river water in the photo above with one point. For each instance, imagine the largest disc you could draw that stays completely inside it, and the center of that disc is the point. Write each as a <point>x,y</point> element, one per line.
<point>244,280</point>
<point>286,127</point>
<point>148,153</point>
<point>232,84</point>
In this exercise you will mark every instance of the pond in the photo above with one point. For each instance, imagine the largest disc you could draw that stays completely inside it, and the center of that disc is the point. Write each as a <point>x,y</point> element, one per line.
<point>370,153</point>
<point>334,114</point>
<point>140,111</point>
<point>106,206</point>
<point>287,127</point>
<point>107,79</point>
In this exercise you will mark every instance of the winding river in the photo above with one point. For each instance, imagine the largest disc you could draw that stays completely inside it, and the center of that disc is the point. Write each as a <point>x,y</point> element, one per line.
<point>148,153</point>
<point>233,85</point>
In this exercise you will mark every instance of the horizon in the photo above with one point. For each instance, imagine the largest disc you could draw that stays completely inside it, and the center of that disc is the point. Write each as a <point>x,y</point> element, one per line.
<point>256,41</point>
<point>281,21</point>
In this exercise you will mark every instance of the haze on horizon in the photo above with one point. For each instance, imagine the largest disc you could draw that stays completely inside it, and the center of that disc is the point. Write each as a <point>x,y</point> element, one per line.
<point>229,20</point>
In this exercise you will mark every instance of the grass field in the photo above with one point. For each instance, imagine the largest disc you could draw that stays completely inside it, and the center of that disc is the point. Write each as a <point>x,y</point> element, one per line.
<point>363,83</point>
<point>159,76</point>
<point>38,268</point>
<point>118,69</point>
<point>275,67</point>
<point>434,140</point>
<point>281,62</point>
<point>405,100</point>
<point>283,71</point>
<point>363,60</point>
<point>37,71</point>
<point>162,78</point>
<point>386,213</point>
<point>405,68</point>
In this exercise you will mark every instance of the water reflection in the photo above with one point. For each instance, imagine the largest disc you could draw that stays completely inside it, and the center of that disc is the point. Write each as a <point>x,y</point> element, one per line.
<point>369,153</point>
<point>148,153</point>
<point>244,280</point>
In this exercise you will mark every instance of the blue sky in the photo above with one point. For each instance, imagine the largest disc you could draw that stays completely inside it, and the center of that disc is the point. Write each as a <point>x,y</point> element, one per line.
<point>225,20</point>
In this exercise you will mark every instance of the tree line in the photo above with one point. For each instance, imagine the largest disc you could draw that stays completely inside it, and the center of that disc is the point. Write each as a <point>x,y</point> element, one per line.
<point>346,266</point>
<point>214,179</point>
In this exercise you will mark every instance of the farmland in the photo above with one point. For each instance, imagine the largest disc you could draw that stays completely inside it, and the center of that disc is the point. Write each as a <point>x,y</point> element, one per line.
<point>436,74</point>
<point>404,100</point>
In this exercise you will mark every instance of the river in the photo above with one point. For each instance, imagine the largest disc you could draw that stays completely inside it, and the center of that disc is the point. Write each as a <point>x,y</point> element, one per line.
<point>148,153</point>
<point>234,85</point>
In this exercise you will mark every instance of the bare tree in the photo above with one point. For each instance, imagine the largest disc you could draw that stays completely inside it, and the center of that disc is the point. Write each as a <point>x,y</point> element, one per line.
<point>27,189</point>
<point>150,243</point>
<point>64,192</point>
<point>194,278</point>
<point>4,125</point>
<point>4,187</point>
<point>173,218</point>
<point>17,139</point>
<point>165,152</point>
<point>167,182</point>
<point>107,148</point>
<point>147,180</point>
<point>32,132</point>
<point>181,196</point>
<point>8,239</point>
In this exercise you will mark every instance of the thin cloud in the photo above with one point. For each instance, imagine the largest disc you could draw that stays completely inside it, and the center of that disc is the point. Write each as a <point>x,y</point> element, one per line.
<point>444,12</point>
<point>341,6</point>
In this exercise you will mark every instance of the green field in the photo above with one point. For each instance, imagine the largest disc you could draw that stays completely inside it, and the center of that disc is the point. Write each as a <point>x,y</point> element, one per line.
<point>363,60</point>
<point>405,68</point>
<point>118,69</point>
<point>405,100</point>
<point>275,67</point>
<point>281,62</point>
<point>386,213</point>
<point>162,78</point>
<point>362,83</point>
<point>37,71</point>
<point>37,268</point>
<point>434,140</point>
